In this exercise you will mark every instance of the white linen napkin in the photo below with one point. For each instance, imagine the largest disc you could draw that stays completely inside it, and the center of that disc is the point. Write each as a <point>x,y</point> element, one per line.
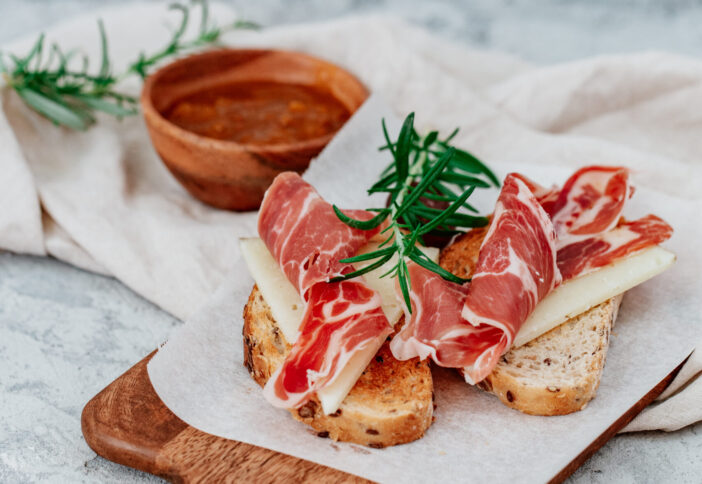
<point>110,205</point>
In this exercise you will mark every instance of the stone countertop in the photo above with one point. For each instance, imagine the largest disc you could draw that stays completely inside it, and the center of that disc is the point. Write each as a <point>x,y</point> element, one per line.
<point>65,333</point>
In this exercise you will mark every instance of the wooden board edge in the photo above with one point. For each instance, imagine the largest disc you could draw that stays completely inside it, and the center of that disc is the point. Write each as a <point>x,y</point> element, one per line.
<point>106,422</point>
<point>613,429</point>
<point>165,446</point>
<point>127,423</point>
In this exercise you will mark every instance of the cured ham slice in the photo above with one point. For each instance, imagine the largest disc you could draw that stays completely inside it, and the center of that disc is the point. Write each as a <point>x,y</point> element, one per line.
<point>546,196</point>
<point>538,237</point>
<point>471,326</point>
<point>307,240</point>
<point>587,217</point>
<point>437,330</point>
<point>341,318</point>
<point>304,234</point>
<point>628,238</point>
<point>590,203</point>
<point>517,257</point>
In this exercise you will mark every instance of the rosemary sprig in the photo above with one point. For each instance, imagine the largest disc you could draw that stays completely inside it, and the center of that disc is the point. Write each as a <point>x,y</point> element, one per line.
<point>71,97</point>
<point>424,169</point>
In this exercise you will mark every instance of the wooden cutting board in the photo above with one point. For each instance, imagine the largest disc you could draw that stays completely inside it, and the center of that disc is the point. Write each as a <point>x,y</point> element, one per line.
<point>127,423</point>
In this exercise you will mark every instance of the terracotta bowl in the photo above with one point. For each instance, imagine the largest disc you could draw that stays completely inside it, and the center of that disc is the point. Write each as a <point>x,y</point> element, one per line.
<point>223,173</point>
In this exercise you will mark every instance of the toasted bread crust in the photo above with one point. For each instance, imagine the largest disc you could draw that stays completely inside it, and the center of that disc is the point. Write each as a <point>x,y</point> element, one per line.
<point>550,395</point>
<point>392,402</point>
<point>553,374</point>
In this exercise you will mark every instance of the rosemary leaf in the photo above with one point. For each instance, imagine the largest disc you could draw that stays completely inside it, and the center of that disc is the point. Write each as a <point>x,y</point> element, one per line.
<point>460,179</point>
<point>389,145</point>
<point>430,139</point>
<point>402,150</point>
<point>105,106</point>
<point>56,112</point>
<point>471,164</point>
<point>403,278</point>
<point>361,224</point>
<point>451,136</point>
<point>420,258</point>
<point>451,210</point>
<point>364,270</point>
<point>427,180</point>
<point>104,58</point>
<point>368,256</point>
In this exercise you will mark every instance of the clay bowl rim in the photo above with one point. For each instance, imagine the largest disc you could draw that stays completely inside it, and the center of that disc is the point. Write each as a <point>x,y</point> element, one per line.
<point>153,115</point>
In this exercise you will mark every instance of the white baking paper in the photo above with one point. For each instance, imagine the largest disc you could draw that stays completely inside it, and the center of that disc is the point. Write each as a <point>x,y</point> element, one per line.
<point>200,376</point>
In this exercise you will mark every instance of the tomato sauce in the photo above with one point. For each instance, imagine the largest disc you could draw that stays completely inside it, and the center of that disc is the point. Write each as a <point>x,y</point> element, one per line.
<point>260,113</point>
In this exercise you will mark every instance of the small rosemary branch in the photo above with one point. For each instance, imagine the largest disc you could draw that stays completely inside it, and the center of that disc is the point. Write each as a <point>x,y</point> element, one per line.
<point>71,98</point>
<point>424,169</point>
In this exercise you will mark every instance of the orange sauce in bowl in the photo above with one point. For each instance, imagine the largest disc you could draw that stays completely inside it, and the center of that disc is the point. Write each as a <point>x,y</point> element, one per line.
<point>260,113</point>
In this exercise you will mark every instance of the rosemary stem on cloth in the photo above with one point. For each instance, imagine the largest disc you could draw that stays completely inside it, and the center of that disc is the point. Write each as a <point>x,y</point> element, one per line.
<point>48,82</point>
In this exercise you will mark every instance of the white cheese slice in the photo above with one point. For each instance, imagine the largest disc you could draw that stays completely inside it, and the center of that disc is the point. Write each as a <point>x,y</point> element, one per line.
<point>582,293</point>
<point>281,296</point>
<point>287,308</point>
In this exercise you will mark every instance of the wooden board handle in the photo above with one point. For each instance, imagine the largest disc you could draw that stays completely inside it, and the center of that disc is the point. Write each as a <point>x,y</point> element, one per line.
<point>129,424</point>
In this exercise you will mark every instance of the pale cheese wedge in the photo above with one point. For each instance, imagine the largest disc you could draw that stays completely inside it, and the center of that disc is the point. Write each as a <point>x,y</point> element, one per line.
<point>281,296</point>
<point>287,308</point>
<point>582,293</point>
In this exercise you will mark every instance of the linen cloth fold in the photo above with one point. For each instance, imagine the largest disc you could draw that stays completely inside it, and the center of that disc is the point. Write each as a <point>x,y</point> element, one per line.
<point>102,200</point>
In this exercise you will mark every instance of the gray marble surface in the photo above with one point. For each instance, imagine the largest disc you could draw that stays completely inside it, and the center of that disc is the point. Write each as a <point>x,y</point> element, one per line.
<point>66,333</point>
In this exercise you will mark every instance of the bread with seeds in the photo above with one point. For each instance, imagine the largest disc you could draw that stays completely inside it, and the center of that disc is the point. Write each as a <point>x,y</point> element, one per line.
<point>558,372</point>
<point>391,403</point>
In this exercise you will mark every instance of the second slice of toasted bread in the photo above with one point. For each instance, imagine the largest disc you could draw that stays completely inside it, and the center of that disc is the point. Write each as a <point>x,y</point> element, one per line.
<point>558,372</point>
<point>391,403</point>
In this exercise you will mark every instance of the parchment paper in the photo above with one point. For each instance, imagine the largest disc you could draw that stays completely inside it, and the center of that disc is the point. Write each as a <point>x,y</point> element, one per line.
<point>199,373</point>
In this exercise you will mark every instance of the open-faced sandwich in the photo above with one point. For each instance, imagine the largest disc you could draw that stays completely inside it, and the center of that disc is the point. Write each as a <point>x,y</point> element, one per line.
<point>349,306</point>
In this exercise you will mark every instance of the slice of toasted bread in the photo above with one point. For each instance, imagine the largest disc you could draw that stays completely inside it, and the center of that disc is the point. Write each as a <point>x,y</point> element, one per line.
<point>392,402</point>
<point>558,372</point>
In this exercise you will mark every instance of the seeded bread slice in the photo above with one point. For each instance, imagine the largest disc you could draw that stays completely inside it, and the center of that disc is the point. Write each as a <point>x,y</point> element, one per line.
<point>555,374</point>
<point>390,404</point>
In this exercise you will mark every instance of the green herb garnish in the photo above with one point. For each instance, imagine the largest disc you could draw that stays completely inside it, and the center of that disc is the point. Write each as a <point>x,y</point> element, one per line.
<point>424,168</point>
<point>71,98</point>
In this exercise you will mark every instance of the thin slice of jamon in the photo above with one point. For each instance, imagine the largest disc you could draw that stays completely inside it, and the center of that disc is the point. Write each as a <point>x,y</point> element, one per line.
<point>628,238</point>
<point>472,326</point>
<point>587,216</point>
<point>590,203</point>
<point>307,240</point>
<point>436,329</point>
<point>340,319</point>
<point>518,266</point>
<point>304,234</point>
<point>546,196</point>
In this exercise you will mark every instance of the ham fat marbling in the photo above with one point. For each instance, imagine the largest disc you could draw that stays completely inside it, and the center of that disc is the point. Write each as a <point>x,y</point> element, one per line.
<point>538,237</point>
<point>307,240</point>
<point>471,326</point>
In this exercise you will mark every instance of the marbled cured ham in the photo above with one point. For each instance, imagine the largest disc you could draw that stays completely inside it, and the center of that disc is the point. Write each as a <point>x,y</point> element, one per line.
<point>471,326</point>
<point>587,216</point>
<point>307,239</point>
<point>340,319</point>
<point>304,234</point>
<point>627,238</point>
<point>591,202</point>
<point>526,253</point>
